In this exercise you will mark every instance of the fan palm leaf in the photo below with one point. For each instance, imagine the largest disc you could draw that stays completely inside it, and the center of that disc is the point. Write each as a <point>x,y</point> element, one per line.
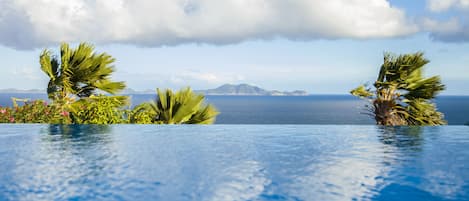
<point>402,95</point>
<point>182,107</point>
<point>81,72</point>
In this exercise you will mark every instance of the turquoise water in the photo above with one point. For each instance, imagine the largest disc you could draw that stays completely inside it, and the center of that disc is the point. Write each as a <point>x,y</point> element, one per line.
<point>317,109</point>
<point>233,162</point>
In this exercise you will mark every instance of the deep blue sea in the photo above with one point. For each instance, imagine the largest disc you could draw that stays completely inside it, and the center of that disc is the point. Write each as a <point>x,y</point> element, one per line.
<point>317,109</point>
<point>233,162</point>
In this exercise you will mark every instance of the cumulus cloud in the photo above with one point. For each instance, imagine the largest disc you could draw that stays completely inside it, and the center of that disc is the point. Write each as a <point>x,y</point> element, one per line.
<point>444,5</point>
<point>204,77</point>
<point>26,24</point>
<point>454,29</point>
<point>448,26</point>
<point>181,78</point>
<point>28,73</point>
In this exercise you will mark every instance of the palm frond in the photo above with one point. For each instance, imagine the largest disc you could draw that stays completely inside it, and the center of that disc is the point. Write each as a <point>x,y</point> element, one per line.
<point>80,72</point>
<point>182,107</point>
<point>402,94</point>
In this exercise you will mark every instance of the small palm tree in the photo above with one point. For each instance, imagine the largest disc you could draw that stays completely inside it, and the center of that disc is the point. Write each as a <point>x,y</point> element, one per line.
<point>402,95</point>
<point>182,107</point>
<point>78,72</point>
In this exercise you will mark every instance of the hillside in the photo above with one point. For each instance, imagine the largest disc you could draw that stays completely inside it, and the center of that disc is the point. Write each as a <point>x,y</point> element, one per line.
<point>249,90</point>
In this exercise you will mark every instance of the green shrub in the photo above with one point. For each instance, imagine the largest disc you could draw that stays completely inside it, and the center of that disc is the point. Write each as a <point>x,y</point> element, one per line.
<point>141,114</point>
<point>6,115</point>
<point>99,110</point>
<point>38,111</point>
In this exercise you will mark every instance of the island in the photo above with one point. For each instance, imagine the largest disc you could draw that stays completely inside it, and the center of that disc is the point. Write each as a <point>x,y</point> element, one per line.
<point>224,90</point>
<point>249,90</point>
<point>22,91</point>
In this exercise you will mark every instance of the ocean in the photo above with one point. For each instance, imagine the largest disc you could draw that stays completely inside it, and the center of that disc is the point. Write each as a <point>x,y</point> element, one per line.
<point>315,109</point>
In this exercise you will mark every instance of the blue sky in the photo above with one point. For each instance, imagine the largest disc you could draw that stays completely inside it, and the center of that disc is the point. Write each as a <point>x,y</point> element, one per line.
<point>324,48</point>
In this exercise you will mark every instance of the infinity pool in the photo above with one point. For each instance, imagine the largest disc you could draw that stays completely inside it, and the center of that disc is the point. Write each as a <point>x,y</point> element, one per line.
<point>233,162</point>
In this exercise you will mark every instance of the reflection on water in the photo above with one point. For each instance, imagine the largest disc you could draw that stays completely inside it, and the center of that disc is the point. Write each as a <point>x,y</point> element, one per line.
<point>432,163</point>
<point>81,137</point>
<point>148,162</point>
<point>245,181</point>
<point>401,136</point>
<point>72,130</point>
<point>349,165</point>
<point>77,162</point>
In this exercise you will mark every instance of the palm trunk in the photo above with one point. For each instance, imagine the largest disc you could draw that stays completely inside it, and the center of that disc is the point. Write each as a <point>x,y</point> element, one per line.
<point>385,108</point>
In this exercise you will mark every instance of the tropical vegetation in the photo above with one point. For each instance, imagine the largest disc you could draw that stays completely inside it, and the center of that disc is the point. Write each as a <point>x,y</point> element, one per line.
<point>100,110</point>
<point>81,91</point>
<point>401,95</point>
<point>37,111</point>
<point>79,72</point>
<point>182,107</point>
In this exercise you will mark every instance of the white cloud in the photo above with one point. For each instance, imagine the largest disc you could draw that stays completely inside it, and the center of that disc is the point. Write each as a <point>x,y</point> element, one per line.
<point>179,79</point>
<point>450,26</point>
<point>455,29</point>
<point>27,73</point>
<point>187,77</point>
<point>452,30</point>
<point>35,23</point>
<point>444,5</point>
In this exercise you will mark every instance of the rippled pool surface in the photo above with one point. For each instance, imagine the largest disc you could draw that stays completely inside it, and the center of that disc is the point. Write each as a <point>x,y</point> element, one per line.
<point>233,162</point>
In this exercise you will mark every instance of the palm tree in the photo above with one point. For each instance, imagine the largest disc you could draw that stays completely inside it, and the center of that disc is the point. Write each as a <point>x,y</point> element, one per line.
<point>182,107</point>
<point>78,72</point>
<point>402,96</point>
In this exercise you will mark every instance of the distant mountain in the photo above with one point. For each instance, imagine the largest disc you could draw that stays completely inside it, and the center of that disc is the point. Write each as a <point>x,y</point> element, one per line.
<point>132,91</point>
<point>248,90</point>
<point>22,91</point>
<point>226,89</point>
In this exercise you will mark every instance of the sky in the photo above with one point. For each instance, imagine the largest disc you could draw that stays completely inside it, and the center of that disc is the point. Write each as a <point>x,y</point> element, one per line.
<point>323,47</point>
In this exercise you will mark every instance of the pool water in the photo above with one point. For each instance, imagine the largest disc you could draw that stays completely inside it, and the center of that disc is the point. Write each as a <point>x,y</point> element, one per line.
<point>233,162</point>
